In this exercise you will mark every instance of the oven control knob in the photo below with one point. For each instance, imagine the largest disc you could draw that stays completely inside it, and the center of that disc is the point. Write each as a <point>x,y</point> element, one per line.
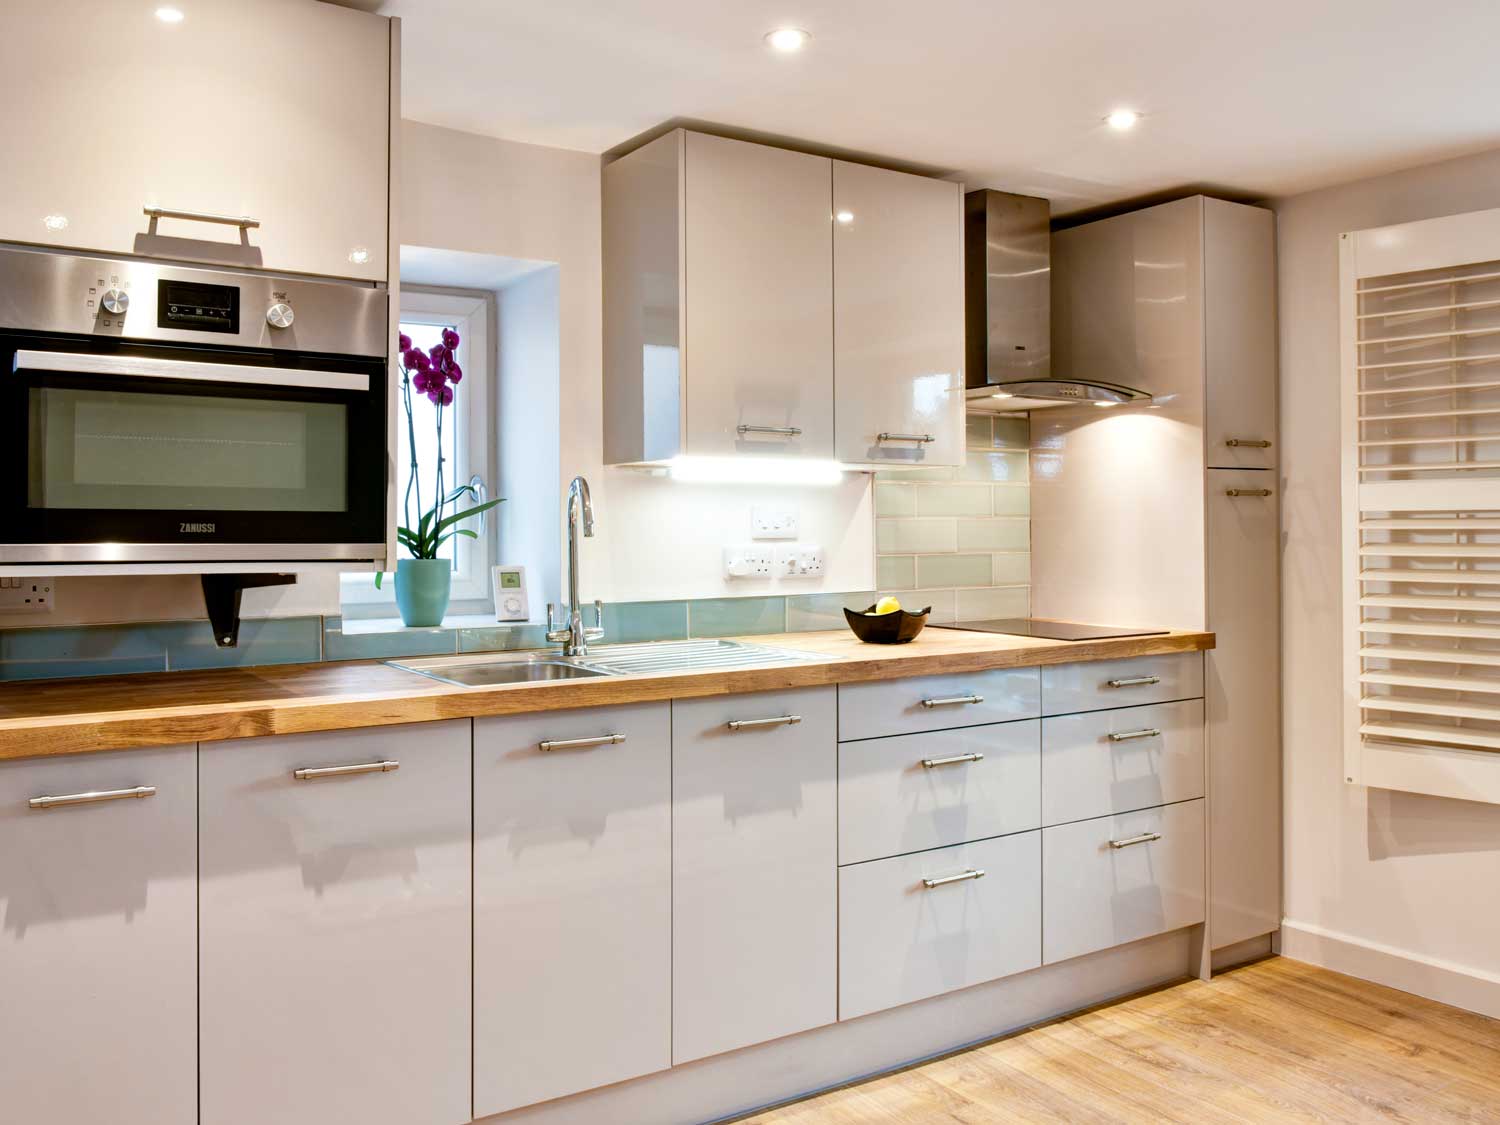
<point>280,315</point>
<point>115,301</point>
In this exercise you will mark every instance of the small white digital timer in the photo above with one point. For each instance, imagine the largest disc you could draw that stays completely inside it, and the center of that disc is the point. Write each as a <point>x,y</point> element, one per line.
<point>510,593</point>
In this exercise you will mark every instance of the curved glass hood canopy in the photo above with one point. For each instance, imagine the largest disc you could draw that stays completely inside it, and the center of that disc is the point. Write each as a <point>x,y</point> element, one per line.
<point>1008,309</point>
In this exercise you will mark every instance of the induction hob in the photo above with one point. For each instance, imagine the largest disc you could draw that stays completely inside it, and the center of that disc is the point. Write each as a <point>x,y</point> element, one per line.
<point>1050,630</point>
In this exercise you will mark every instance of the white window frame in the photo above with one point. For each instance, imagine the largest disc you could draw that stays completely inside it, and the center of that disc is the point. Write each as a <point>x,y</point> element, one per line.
<point>469,315</point>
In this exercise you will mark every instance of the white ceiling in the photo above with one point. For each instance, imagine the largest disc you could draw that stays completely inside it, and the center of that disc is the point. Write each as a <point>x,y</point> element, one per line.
<point>1261,98</point>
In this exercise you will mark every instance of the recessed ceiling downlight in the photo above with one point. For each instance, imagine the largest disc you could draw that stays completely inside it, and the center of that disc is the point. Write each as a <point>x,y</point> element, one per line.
<point>1122,119</point>
<point>787,39</point>
<point>169,15</point>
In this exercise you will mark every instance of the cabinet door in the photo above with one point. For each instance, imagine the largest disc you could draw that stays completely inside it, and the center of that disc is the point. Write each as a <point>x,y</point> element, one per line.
<point>1239,312</point>
<point>754,869</point>
<point>1242,703</point>
<point>572,902</point>
<point>758,303</point>
<point>334,928</point>
<point>277,110</point>
<point>898,296</point>
<point>99,902</point>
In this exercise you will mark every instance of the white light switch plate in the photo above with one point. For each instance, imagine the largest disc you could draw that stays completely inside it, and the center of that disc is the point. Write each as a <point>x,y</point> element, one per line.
<point>26,595</point>
<point>769,521</point>
<point>800,562</point>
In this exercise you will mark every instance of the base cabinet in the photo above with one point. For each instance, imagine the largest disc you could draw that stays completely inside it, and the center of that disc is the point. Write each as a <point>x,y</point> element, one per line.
<point>335,944</point>
<point>99,904</point>
<point>918,925</point>
<point>572,902</point>
<point>755,855</point>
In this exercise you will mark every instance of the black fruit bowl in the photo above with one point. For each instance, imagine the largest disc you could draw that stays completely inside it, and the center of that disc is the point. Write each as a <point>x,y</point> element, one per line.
<point>886,628</point>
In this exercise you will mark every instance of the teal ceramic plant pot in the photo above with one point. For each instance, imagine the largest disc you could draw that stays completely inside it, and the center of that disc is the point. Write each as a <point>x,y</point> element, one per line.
<point>422,590</point>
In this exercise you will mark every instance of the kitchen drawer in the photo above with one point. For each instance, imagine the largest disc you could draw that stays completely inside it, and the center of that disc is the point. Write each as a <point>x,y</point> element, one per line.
<point>1100,762</point>
<point>98,964</point>
<point>1102,888</point>
<point>937,702</point>
<point>920,791</point>
<point>1096,685</point>
<point>900,940</point>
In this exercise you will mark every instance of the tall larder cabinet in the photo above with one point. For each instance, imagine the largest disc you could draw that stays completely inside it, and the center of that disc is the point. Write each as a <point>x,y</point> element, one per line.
<point>1165,512</point>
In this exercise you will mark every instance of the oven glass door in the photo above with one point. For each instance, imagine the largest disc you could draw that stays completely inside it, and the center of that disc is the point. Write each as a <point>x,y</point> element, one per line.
<point>163,445</point>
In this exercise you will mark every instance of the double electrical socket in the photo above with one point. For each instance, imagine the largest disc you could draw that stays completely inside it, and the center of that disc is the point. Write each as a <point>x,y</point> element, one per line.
<point>26,595</point>
<point>754,560</point>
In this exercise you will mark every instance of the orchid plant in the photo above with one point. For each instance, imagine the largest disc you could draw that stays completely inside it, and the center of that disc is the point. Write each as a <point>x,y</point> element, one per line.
<point>434,373</point>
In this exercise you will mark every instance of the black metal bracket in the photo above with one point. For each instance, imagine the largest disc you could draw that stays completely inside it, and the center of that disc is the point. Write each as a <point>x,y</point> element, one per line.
<point>221,597</point>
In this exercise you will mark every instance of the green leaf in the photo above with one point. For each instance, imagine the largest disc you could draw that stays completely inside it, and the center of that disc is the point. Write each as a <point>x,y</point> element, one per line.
<point>449,535</point>
<point>449,521</point>
<point>460,491</point>
<point>379,576</point>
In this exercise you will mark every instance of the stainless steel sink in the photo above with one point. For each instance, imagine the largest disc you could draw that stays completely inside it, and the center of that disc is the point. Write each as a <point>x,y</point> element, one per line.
<point>487,668</point>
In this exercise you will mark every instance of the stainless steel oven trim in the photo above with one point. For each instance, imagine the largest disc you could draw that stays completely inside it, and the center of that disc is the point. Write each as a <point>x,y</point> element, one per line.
<point>65,553</point>
<point>143,367</point>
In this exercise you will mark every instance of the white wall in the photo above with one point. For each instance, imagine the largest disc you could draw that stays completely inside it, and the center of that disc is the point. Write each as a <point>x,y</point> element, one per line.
<point>1390,885</point>
<point>460,191</point>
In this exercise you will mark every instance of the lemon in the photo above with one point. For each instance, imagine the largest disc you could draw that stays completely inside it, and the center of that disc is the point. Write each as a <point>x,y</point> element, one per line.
<point>887,605</point>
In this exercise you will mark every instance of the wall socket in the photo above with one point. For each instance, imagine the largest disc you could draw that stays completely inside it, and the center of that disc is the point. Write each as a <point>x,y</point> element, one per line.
<point>748,560</point>
<point>26,595</point>
<point>800,562</point>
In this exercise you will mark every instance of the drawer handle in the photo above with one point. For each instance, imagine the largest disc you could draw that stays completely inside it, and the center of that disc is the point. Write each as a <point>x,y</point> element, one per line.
<point>933,763</point>
<point>344,771</point>
<point>1133,681</point>
<point>779,431</point>
<point>1238,492</point>
<point>1131,735</point>
<point>91,798</point>
<point>1247,443</point>
<point>241,221</point>
<point>952,701</point>
<point>580,743</point>
<point>961,877</point>
<point>754,724</point>
<point>1132,841</point>
<point>920,439</point>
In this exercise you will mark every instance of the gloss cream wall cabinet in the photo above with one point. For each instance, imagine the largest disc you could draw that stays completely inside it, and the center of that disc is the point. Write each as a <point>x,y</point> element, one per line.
<point>760,301</point>
<point>572,901</point>
<point>276,112</point>
<point>334,928</point>
<point>1164,512</point>
<point>98,892</point>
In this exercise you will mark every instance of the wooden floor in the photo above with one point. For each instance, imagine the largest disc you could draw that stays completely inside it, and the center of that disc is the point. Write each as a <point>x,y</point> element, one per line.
<point>1278,1040</point>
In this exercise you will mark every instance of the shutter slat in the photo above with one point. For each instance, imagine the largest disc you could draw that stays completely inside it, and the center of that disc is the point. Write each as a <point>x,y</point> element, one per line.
<point>1442,736</point>
<point>1429,655</point>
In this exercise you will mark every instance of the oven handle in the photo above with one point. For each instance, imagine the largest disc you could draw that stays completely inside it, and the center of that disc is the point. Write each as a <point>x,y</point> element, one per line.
<point>139,367</point>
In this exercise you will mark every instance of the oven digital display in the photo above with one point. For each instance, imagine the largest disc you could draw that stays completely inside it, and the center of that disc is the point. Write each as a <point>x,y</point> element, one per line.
<point>201,308</point>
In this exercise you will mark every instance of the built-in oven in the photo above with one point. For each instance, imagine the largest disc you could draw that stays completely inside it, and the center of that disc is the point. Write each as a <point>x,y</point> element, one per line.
<point>155,413</point>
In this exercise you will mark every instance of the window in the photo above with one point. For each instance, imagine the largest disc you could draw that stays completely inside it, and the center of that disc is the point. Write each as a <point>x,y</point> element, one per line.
<point>466,447</point>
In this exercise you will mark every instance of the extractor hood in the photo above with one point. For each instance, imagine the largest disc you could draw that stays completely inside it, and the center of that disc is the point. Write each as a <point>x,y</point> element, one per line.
<point>1008,309</point>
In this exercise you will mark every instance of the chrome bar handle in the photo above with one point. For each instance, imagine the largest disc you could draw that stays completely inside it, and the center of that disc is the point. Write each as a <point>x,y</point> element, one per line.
<point>596,631</point>
<point>964,876</point>
<point>1131,735</point>
<point>555,631</point>
<point>580,743</point>
<point>952,701</point>
<point>920,439</point>
<point>345,771</point>
<point>93,798</point>
<point>779,431</point>
<point>933,763</point>
<point>756,724</point>
<point>242,221</point>
<point>1132,841</point>
<point>1247,443</point>
<point>1236,492</point>
<point>1133,681</point>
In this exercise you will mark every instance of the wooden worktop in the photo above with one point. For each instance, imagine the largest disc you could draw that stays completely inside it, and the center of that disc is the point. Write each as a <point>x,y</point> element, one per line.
<point>121,712</point>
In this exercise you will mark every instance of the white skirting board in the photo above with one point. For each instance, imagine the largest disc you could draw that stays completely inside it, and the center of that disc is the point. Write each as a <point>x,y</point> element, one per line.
<point>1459,985</point>
<point>729,1085</point>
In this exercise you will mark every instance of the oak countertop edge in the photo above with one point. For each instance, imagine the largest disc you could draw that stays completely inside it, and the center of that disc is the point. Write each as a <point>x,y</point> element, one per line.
<point>61,717</point>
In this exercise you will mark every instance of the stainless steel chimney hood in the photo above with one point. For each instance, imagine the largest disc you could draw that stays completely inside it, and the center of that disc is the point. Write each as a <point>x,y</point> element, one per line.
<point>1008,309</point>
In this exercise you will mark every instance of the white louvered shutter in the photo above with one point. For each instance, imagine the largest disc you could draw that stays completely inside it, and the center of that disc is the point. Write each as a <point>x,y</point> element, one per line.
<point>1421,437</point>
